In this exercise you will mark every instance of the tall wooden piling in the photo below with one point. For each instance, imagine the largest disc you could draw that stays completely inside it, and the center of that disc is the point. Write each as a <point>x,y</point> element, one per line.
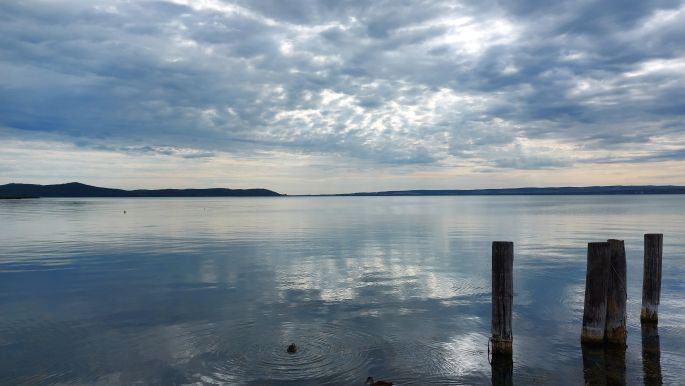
<point>502,296</point>
<point>596,285</point>
<point>651,281</point>
<point>615,331</point>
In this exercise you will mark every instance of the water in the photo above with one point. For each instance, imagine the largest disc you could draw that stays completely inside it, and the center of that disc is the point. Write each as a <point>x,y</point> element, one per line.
<point>211,291</point>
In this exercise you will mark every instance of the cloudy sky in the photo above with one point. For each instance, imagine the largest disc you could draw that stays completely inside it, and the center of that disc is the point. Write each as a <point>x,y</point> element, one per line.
<point>306,96</point>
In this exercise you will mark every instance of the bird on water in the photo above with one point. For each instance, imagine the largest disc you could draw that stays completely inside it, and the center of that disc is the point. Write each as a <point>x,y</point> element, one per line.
<point>292,349</point>
<point>370,381</point>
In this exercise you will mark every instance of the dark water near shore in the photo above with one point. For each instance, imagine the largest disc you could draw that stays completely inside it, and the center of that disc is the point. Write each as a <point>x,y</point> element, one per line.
<point>211,291</point>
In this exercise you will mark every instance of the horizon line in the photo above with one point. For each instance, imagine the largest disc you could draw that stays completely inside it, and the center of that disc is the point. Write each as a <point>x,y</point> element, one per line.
<point>600,189</point>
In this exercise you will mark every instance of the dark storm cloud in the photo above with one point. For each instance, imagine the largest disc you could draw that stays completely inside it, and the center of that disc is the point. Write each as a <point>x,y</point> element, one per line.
<point>388,82</point>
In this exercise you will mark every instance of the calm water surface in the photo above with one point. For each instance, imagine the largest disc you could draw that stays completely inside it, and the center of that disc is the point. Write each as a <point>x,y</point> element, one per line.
<point>211,291</point>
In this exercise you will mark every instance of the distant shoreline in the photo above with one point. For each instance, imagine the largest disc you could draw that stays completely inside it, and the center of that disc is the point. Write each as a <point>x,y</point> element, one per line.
<point>75,189</point>
<point>78,190</point>
<point>550,191</point>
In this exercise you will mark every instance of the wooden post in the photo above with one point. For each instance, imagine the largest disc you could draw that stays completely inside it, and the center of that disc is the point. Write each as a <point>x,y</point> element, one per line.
<point>617,295</point>
<point>651,281</point>
<point>502,296</point>
<point>596,285</point>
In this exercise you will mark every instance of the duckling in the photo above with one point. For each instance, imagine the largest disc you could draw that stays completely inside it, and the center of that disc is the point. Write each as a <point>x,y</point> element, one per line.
<point>292,349</point>
<point>370,381</point>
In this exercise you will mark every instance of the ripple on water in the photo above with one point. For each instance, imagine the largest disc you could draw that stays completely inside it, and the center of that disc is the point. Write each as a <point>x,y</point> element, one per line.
<point>331,352</point>
<point>463,356</point>
<point>471,288</point>
<point>28,340</point>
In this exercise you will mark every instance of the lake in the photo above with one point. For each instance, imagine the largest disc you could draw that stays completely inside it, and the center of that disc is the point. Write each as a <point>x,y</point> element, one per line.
<point>212,290</point>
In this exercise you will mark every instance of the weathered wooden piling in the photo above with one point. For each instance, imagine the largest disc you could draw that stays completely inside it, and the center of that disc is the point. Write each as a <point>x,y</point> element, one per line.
<point>502,296</point>
<point>651,281</point>
<point>615,331</point>
<point>596,285</point>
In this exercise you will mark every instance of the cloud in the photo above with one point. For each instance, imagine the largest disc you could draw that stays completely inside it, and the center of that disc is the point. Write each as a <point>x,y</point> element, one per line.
<point>433,83</point>
<point>163,150</point>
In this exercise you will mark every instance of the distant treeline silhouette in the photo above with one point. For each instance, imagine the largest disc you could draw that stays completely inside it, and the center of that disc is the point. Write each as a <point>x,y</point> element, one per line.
<point>569,190</point>
<point>75,189</point>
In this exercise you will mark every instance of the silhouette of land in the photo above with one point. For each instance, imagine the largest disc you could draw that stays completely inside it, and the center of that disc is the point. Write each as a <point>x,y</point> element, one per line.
<point>75,189</point>
<point>567,190</point>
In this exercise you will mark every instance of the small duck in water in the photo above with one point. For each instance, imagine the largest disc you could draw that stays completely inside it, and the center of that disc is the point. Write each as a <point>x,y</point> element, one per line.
<point>370,381</point>
<point>292,349</point>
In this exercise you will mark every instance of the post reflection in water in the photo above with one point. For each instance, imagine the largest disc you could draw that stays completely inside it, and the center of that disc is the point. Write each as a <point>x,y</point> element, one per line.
<point>651,354</point>
<point>615,359</point>
<point>502,370</point>
<point>594,366</point>
<point>604,365</point>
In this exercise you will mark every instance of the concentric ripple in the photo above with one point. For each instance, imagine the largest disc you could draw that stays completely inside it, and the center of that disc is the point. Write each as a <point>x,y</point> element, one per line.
<point>331,352</point>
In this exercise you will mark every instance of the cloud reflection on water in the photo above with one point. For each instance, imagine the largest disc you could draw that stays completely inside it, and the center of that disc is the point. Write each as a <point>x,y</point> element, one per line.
<point>213,290</point>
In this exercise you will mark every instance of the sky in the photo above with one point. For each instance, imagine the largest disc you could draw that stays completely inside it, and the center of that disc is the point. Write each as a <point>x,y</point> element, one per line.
<point>320,96</point>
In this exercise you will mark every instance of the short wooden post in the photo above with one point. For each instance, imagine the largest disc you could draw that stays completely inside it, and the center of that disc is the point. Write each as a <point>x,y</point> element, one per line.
<point>616,295</point>
<point>651,281</point>
<point>502,296</point>
<point>596,285</point>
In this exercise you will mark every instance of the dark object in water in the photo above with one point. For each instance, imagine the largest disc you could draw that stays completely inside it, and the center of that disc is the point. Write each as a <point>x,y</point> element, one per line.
<point>292,349</point>
<point>370,381</point>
